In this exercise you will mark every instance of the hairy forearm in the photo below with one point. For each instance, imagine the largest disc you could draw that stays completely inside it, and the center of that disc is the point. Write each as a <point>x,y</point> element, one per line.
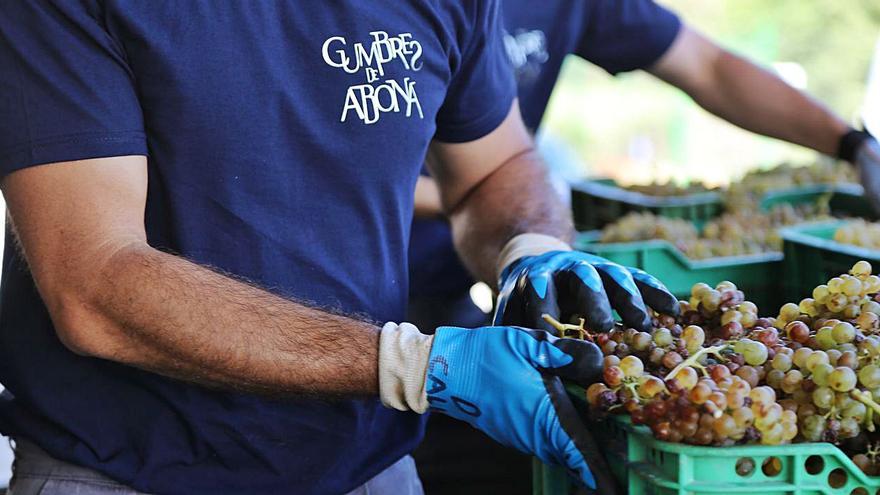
<point>757,100</point>
<point>167,315</point>
<point>516,198</point>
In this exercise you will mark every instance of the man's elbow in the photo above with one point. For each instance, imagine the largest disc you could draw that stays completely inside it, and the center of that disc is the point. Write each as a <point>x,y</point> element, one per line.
<point>80,306</point>
<point>79,326</point>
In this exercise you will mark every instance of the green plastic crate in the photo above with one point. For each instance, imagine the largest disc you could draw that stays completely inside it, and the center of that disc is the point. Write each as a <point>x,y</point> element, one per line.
<point>812,256</point>
<point>646,466</point>
<point>596,203</point>
<point>757,275</point>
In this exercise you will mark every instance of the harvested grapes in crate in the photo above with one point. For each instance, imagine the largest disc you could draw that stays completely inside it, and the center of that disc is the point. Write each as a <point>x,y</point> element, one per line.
<point>720,374</point>
<point>859,233</point>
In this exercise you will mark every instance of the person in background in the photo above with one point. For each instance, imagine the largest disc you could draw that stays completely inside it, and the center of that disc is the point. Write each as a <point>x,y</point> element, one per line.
<point>209,209</point>
<point>618,36</point>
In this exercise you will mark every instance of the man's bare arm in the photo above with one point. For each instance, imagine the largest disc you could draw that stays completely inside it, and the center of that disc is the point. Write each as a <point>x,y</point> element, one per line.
<point>495,188</point>
<point>110,295</point>
<point>427,199</point>
<point>746,95</point>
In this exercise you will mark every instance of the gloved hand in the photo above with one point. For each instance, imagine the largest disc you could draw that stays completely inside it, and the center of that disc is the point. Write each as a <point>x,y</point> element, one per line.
<point>570,284</point>
<point>505,381</point>
<point>867,161</point>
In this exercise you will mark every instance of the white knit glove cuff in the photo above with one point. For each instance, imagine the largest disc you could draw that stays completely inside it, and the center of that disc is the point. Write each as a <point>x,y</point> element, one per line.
<point>403,363</point>
<point>528,245</point>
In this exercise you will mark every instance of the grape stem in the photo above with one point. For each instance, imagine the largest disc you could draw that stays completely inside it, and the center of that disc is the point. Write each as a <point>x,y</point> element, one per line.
<point>693,360</point>
<point>866,399</point>
<point>566,327</point>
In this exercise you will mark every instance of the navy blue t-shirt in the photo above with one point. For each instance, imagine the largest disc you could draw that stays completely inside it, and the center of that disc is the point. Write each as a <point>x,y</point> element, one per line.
<point>284,140</point>
<point>616,35</point>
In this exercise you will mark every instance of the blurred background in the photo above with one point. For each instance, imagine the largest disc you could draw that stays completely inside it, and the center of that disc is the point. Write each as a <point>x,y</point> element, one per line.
<point>637,129</point>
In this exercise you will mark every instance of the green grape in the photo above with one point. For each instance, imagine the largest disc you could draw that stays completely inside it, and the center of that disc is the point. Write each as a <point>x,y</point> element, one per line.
<point>842,379</point>
<point>774,378</point>
<point>872,284</point>
<point>789,312</point>
<point>820,374</point>
<point>725,285</point>
<point>851,311</point>
<point>650,386</point>
<point>731,315</point>
<point>699,289</point>
<point>792,381</point>
<point>743,416</point>
<point>755,353</point>
<point>694,337</point>
<point>712,300</point>
<point>762,395</point>
<point>816,358</point>
<point>825,338</point>
<point>851,286</point>
<point>843,332</point>
<point>808,307</point>
<point>814,426</point>
<point>700,393</point>
<point>869,376</point>
<point>724,426</point>
<point>768,416</point>
<point>663,337</point>
<point>833,356</point>
<point>748,307</point>
<point>837,303</point>
<point>823,397</point>
<point>800,357</point>
<point>848,359</point>
<point>870,346</point>
<point>686,377</point>
<point>835,285</point>
<point>641,341</point>
<point>849,428</point>
<point>781,362</point>
<point>772,436</point>
<point>632,366</point>
<point>871,306</point>
<point>854,409</point>
<point>820,293</point>
<point>861,269</point>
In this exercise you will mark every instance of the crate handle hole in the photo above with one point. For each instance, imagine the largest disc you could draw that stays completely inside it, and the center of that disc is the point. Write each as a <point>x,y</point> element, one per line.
<point>814,464</point>
<point>745,466</point>
<point>859,491</point>
<point>771,466</point>
<point>837,478</point>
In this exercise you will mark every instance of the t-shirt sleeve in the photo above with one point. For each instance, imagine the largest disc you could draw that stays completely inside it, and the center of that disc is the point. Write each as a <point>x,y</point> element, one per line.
<point>625,35</point>
<point>66,92</point>
<point>482,87</point>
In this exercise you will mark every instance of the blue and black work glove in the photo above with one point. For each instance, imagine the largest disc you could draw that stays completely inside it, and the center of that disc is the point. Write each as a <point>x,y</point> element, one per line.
<point>504,381</point>
<point>542,275</point>
<point>863,150</point>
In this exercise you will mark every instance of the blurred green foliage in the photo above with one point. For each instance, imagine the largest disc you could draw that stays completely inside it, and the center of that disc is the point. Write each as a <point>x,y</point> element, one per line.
<point>639,129</point>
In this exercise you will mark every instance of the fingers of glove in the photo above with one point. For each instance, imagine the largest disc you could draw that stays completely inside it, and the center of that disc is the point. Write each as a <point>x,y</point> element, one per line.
<point>533,295</point>
<point>582,295</point>
<point>624,295</point>
<point>509,305</point>
<point>654,293</point>
<point>574,443</point>
<point>585,368</point>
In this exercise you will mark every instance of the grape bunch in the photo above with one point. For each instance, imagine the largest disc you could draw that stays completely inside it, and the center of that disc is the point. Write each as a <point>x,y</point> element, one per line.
<point>719,374</point>
<point>860,233</point>
<point>745,193</point>
<point>731,234</point>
